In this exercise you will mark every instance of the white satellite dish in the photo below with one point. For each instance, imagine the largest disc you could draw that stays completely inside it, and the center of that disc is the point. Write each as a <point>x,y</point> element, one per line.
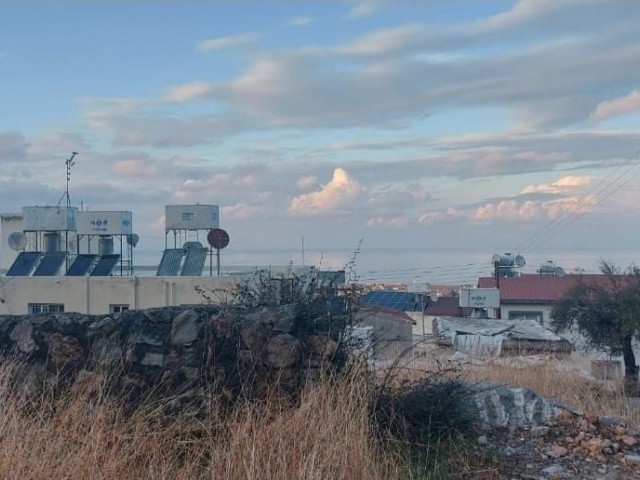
<point>18,241</point>
<point>133,239</point>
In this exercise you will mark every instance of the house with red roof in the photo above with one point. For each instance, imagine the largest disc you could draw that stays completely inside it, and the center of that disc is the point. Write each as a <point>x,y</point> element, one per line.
<point>531,296</point>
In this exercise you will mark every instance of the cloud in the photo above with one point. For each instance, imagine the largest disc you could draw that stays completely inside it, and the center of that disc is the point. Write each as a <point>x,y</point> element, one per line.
<point>300,21</point>
<point>514,210</point>
<point>307,182</point>
<point>382,42</point>
<point>524,11</point>
<point>226,43</point>
<point>341,191</point>
<point>13,146</point>
<point>392,222</point>
<point>364,8</point>
<point>618,106</point>
<point>187,91</point>
<point>561,185</point>
<point>135,168</point>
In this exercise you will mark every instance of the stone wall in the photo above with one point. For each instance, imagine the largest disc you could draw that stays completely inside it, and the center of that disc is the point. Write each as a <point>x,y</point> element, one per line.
<point>238,353</point>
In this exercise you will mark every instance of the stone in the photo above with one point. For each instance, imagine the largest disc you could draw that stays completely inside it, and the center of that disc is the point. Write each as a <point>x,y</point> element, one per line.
<point>254,336</point>
<point>554,470</point>
<point>185,328</point>
<point>632,459</point>
<point>629,440</point>
<point>591,417</point>
<point>557,451</point>
<point>106,353</point>
<point>63,349</point>
<point>104,326</point>
<point>321,346</point>
<point>145,337</point>
<point>190,373</point>
<point>539,431</point>
<point>153,359</point>
<point>282,351</point>
<point>22,334</point>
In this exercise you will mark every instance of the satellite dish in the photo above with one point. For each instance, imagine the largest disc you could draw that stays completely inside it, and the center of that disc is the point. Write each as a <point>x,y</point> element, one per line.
<point>133,239</point>
<point>519,261</point>
<point>559,272</point>
<point>218,238</point>
<point>18,241</point>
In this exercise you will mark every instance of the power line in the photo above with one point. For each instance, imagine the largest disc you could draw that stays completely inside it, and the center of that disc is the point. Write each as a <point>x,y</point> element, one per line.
<point>602,191</point>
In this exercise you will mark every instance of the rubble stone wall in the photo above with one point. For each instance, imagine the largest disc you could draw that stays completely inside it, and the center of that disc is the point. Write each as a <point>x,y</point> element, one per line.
<point>173,349</point>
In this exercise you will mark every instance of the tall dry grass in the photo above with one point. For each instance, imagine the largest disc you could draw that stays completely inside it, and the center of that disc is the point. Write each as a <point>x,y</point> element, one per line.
<point>85,434</point>
<point>560,381</point>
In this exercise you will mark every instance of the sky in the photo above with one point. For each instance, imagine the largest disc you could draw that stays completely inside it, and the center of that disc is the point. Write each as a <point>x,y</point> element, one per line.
<point>471,124</point>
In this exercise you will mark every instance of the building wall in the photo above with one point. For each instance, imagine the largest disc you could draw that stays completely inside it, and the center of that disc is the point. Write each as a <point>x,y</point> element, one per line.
<point>392,336</point>
<point>95,295</point>
<point>515,309</point>
<point>8,225</point>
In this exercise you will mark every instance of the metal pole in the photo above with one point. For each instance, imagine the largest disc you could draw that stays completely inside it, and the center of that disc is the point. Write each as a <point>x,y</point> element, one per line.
<point>218,259</point>
<point>211,261</point>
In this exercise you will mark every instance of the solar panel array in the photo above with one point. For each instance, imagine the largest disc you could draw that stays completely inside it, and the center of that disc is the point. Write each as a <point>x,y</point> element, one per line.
<point>24,264</point>
<point>403,301</point>
<point>105,265</point>
<point>81,265</point>
<point>170,262</point>
<point>194,262</point>
<point>50,264</point>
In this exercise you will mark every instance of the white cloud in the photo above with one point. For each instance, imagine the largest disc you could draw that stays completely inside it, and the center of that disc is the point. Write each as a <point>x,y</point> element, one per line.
<point>383,42</point>
<point>385,222</point>
<point>525,10</point>
<point>363,8</point>
<point>300,21</point>
<point>187,91</point>
<point>341,191</point>
<point>307,182</point>
<point>561,185</point>
<point>225,43</point>
<point>135,168</point>
<point>618,106</point>
<point>514,210</point>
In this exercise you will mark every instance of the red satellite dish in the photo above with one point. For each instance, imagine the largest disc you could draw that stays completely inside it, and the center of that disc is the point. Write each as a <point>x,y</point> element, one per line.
<point>218,238</point>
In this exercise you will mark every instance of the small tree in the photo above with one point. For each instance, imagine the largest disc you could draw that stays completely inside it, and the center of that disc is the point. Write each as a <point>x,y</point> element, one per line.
<point>606,313</point>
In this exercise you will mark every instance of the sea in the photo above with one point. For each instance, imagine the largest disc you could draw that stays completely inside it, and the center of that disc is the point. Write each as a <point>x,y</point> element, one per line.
<point>417,265</point>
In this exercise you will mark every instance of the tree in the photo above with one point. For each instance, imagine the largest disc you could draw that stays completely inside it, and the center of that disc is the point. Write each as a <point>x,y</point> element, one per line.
<point>606,311</point>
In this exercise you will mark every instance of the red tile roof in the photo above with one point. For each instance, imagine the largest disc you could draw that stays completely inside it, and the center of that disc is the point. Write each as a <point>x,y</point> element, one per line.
<point>531,288</point>
<point>445,306</point>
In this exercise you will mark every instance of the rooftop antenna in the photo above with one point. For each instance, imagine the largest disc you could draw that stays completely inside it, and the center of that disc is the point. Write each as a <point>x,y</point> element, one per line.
<point>69,163</point>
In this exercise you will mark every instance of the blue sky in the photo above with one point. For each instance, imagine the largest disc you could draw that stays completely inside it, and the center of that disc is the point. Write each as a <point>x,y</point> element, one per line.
<point>467,124</point>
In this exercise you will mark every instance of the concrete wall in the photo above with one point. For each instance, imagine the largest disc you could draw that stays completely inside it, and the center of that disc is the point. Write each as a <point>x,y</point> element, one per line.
<point>392,332</point>
<point>9,223</point>
<point>545,309</point>
<point>95,295</point>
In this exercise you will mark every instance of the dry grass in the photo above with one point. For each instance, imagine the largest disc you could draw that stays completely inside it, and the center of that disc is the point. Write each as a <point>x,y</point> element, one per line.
<point>558,380</point>
<point>87,435</point>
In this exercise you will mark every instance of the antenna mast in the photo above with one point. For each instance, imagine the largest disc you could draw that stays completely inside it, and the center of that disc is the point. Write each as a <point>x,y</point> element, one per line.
<point>69,163</point>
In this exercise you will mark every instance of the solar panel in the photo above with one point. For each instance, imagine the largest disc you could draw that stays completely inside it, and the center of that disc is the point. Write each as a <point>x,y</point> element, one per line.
<point>194,262</point>
<point>170,262</point>
<point>404,301</point>
<point>24,264</point>
<point>105,265</point>
<point>50,264</point>
<point>81,265</point>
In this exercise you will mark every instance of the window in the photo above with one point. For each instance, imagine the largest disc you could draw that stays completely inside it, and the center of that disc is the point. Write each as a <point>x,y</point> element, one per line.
<point>44,308</point>
<point>518,315</point>
<point>119,308</point>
